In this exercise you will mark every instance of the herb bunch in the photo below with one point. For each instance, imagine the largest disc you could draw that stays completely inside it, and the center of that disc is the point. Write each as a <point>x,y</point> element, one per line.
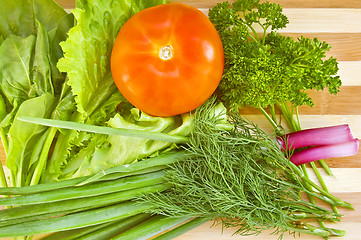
<point>236,174</point>
<point>269,71</point>
<point>264,68</point>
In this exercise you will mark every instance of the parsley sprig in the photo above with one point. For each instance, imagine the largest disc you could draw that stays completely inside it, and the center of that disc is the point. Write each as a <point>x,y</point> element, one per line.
<point>266,69</point>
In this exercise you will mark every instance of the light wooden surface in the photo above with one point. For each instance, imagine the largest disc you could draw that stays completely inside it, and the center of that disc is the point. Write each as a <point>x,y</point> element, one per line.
<point>339,23</point>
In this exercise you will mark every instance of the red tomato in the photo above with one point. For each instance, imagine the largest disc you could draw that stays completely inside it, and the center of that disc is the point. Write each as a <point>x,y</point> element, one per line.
<point>167,59</point>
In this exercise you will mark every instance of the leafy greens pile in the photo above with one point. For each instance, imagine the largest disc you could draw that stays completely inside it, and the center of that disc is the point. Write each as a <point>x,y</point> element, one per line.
<point>30,82</point>
<point>228,170</point>
<point>87,185</point>
<point>32,85</point>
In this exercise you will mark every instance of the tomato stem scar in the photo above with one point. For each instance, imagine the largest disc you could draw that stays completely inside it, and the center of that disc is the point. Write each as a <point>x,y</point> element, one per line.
<point>166,52</point>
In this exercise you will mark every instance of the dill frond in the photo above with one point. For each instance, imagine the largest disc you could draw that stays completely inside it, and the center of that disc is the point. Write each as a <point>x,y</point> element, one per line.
<point>236,175</point>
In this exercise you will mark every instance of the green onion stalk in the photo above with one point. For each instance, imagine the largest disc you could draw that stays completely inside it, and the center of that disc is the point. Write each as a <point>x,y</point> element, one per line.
<point>295,125</point>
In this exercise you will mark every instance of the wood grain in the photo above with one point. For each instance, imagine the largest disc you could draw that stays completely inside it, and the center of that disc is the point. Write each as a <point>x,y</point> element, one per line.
<point>346,102</point>
<point>344,46</point>
<point>319,20</point>
<point>285,3</point>
<point>338,23</point>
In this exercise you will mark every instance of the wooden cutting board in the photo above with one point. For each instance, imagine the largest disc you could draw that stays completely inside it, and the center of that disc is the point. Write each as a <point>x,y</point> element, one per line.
<point>337,22</point>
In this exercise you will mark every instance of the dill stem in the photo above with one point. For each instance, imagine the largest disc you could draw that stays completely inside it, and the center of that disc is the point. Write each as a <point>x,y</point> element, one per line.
<point>313,193</point>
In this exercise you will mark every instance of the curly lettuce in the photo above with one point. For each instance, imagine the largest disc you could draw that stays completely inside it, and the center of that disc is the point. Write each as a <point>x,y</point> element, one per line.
<point>103,151</point>
<point>78,87</point>
<point>86,62</point>
<point>88,49</point>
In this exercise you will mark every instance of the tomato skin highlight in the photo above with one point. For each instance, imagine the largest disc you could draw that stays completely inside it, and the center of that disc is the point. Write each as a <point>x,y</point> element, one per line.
<point>168,59</point>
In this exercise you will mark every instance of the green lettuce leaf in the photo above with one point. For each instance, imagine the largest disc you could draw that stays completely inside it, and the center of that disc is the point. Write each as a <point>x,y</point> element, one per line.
<point>86,62</point>
<point>87,51</point>
<point>104,151</point>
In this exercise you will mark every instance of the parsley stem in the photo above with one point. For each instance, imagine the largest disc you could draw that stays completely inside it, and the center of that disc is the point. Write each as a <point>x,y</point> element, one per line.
<point>269,118</point>
<point>298,118</point>
<point>255,35</point>
<point>264,34</point>
<point>273,113</point>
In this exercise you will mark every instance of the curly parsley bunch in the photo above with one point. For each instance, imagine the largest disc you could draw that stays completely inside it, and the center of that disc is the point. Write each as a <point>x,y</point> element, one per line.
<point>264,68</point>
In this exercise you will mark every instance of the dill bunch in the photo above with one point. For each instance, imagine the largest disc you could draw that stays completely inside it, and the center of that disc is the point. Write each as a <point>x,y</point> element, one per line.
<point>237,175</point>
